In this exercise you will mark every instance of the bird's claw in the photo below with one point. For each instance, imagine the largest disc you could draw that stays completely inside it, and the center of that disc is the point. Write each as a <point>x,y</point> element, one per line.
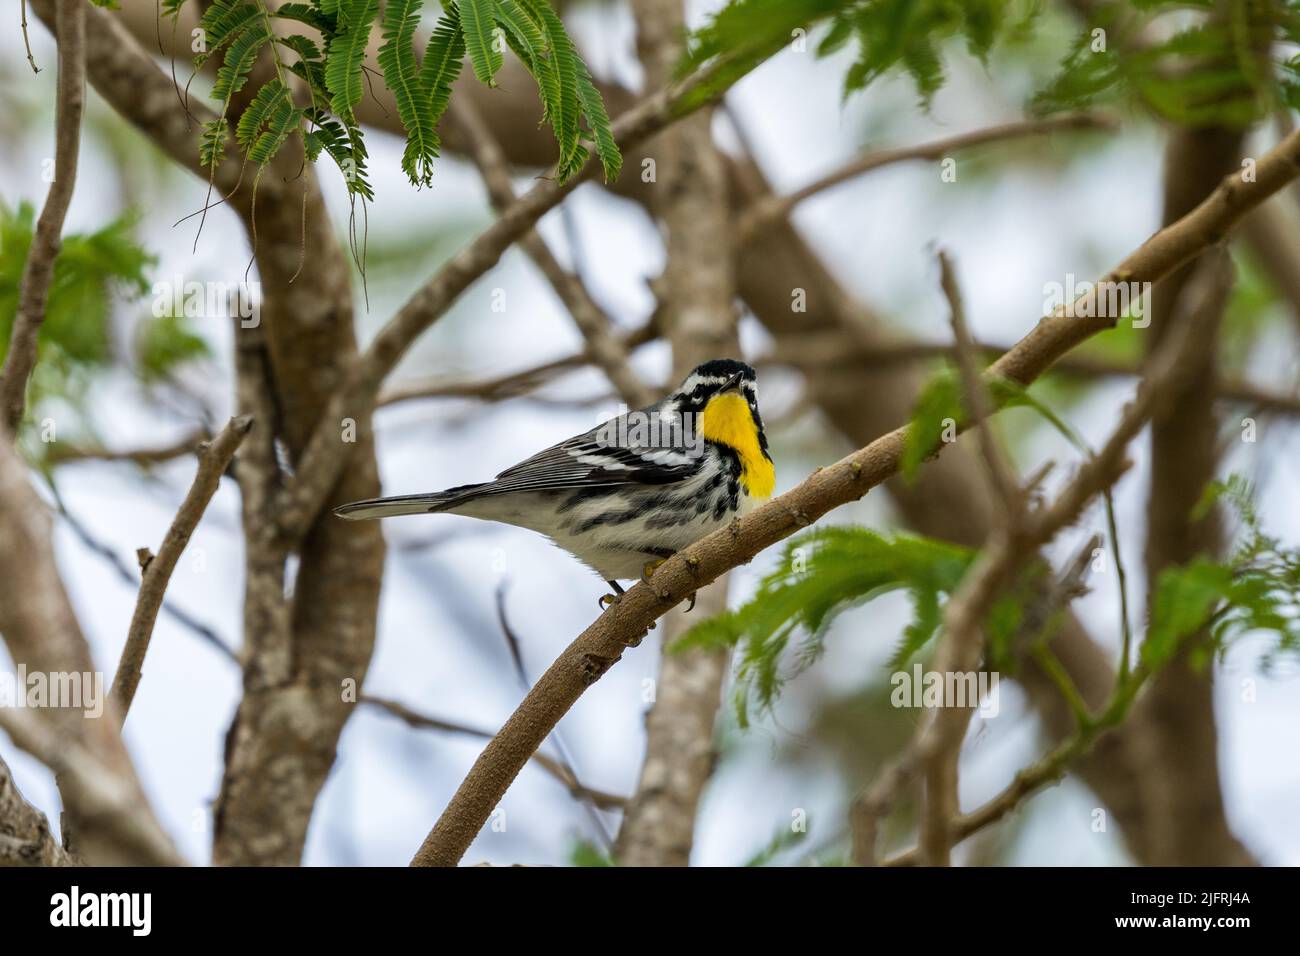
<point>607,601</point>
<point>690,603</point>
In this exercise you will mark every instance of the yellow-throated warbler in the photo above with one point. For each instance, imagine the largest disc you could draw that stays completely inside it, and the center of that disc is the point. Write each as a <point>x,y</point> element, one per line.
<point>634,491</point>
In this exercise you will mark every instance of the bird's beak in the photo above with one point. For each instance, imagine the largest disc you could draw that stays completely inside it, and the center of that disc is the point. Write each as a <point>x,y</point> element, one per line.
<point>732,384</point>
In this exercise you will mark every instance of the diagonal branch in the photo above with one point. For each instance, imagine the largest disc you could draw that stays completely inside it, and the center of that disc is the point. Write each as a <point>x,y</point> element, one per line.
<point>623,625</point>
<point>773,208</point>
<point>38,271</point>
<point>214,458</point>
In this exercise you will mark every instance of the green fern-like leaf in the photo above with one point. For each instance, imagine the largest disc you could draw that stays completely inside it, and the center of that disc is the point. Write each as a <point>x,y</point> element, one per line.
<point>212,145</point>
<point>523,34</point>
<point>306,13</point>
<point>267,122</point>
<point>821,575</point>
<point>564,110</point>
<point>223,23</point>
<point>593,108</point>
<point>347,53</point>
<point>402,75</point>
<point>239,59</point>
<point>345,146</point>
<point>442,61</point>
<point>478,22</point>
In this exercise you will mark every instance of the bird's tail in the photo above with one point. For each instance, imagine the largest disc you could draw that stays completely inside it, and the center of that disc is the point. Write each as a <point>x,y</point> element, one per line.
<point>406,504</point>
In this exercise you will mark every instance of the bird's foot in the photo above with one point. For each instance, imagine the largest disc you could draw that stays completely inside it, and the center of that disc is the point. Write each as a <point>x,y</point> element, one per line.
<point>650,568</point>
<point>690,603</point>
<point>609,600</point>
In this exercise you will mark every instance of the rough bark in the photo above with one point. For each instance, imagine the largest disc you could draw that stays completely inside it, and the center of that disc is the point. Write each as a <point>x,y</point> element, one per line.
<point>282,743</point>
<point>25,835</point>
<point>1186,821</point>
<point>38,270</point>
<point>696,294</point>
<point>43,635</point>
<point>300,648</point>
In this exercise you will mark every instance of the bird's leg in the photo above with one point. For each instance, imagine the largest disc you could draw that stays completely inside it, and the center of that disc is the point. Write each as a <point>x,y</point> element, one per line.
<point>608,600</point>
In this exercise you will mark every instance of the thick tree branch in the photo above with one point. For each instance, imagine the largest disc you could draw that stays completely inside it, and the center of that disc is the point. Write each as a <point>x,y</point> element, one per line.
<point>1179,736</point>
<point>38,271</point>
<point>25,836</point>
<point>43,635</point>
<point>839,362</point>
<point>110,809</point>
<point>696,297</point>
<point>624,624</point>
<point>213,461</point>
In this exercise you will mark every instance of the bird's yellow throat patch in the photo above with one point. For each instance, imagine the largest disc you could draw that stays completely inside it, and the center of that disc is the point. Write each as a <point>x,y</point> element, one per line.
<point>726,420</point>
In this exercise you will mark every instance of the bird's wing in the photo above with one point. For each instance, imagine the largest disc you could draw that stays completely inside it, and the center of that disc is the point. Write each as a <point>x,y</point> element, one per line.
<point>607,455</point>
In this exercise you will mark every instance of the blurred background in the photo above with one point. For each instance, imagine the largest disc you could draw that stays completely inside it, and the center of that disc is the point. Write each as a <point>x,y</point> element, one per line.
<point>1019,214</point>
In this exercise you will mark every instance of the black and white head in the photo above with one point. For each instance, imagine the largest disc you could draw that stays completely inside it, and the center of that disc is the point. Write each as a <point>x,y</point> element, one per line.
<point>721,396</point>
<point>714,378</point>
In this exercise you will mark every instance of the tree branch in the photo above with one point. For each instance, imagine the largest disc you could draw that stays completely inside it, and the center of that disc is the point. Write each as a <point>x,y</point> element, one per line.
<point>63,454</point>
<point>25,836</point>
<point>557,769</point>
<point>109,806</point>
<point>624,624</point>
<point>696,297</point>
<point>772,208</point>
<point>214,458</point>
<point>38,271</point>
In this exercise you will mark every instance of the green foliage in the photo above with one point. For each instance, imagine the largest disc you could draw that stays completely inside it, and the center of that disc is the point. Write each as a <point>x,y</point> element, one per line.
<point>889,34</point>
<point>402,75</point>
<point>90,271</point>
<point>237,31</point>
<point>347,52</point>
<point>267,122</point>
<point>782,840</point>
<point>1224,63</point>
<point>442,60</point>
<point>586,853</point>
<point>1217,67</point>
<point>165,343</point>
<point>905,34</point>
<point>1256,590</point>
<point>744,33</point>
<point>821,575</point>
<point>478,20</point>
<point>940,408</point>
